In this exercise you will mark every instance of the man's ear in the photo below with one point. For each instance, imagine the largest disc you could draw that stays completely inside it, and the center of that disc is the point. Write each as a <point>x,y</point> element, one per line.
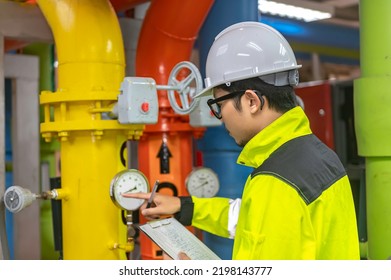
<point>256,102</point>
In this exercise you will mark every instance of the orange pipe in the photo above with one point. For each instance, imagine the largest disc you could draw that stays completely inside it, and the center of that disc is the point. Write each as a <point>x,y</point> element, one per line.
<point>167,37</point>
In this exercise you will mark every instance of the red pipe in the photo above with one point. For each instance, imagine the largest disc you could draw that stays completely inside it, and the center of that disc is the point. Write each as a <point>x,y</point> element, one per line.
<point>168,34</point>
<point>167,37</point>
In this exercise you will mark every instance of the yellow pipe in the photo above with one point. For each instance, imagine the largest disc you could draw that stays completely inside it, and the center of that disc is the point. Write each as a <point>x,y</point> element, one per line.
<point>91,66</point>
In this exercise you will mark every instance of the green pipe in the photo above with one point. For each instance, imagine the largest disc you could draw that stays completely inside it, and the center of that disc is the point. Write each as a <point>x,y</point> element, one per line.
<point>372,100</point>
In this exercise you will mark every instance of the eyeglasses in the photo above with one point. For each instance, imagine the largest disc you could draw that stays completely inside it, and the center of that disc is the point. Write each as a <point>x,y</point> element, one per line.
<point>215,107</point>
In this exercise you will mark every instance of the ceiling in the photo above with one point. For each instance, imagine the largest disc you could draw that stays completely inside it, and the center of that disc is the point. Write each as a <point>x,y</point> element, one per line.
<point>346,12</point>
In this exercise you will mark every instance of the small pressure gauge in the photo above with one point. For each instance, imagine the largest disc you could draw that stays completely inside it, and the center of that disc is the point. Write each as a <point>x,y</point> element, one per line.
<point>128,181</point>
<point>202,182</point>
<point>17,198</point>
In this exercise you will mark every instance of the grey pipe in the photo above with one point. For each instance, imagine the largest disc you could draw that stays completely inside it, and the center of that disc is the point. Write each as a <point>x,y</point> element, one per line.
<point>3,232</point>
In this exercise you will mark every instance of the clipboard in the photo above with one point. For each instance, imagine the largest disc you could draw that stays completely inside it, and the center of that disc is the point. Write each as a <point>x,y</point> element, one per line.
<point>172,237</point>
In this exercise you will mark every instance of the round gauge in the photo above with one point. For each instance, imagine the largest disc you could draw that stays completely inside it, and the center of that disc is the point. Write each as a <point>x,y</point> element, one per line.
<point>202,182</point>
<point>16,198</point>
<point>128,181</point>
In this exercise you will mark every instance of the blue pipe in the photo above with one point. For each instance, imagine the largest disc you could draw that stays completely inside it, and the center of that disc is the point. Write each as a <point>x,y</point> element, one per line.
<point>9,221</point>
<point>219,149</point>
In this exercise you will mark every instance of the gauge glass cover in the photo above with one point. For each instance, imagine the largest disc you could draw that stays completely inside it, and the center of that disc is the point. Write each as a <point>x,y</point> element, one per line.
<point>128,181</point>
<point>13,199</point>
<point>202,182</point>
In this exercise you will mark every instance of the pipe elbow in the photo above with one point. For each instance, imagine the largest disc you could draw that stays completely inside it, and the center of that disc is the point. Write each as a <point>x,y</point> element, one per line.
<point>83,31</point>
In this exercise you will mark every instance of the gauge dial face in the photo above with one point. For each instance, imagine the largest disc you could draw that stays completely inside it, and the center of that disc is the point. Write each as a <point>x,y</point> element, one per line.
<point>13,199</point>
<point>128,181</point>
<point>17,198</point>
<point>202,182</point>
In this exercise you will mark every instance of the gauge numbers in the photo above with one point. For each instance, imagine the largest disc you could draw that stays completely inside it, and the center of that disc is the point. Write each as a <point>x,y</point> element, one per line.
<point>202,182</point>
<point>128,181</point>
<point>17,198</point>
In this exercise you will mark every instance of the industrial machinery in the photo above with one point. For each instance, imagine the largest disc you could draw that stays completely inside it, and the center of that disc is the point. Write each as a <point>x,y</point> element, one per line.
<point>137,104</point>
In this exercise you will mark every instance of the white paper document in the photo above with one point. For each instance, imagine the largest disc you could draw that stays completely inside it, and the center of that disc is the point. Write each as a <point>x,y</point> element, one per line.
<point>172,237</point>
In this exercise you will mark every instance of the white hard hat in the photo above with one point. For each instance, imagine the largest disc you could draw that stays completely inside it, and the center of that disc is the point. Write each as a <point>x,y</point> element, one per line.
<point>246,50</point>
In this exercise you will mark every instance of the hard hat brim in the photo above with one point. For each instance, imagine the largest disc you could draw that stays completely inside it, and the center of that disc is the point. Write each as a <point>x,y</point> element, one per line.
<point>209,90</point>
<point>205,92</point>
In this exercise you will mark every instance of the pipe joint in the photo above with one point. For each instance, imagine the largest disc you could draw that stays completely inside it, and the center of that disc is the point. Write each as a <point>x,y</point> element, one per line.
<point>57,194</point>
<point>127,247</point>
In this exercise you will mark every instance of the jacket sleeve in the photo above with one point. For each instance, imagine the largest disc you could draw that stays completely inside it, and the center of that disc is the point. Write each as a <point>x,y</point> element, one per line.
<point>216,215</point>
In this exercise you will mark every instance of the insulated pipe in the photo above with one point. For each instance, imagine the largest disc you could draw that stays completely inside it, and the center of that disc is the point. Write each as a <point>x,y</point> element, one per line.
<point>167,37</point>
<point>90,69</point>
<point>372,101</point>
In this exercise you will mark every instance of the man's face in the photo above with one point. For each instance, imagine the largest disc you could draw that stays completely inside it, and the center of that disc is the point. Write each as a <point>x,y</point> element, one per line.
<point>235,120</point>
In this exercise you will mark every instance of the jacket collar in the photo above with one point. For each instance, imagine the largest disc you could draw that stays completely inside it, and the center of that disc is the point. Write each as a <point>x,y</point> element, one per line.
<point>291,124</point>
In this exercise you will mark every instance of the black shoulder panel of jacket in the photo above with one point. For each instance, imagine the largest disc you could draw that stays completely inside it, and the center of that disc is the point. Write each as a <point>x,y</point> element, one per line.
<point>306,164</point>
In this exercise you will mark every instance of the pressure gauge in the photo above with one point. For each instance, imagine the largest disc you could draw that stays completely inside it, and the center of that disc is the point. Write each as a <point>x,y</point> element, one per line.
<point>17,198</point>
<point>128,181</point>
<point>202,182</point>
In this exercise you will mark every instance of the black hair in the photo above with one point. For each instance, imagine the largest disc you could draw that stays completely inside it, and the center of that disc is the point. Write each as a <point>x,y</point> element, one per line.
<point>280,98</point>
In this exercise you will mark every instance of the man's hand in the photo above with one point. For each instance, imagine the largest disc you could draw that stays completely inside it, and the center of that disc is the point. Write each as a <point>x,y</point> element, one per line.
<point>181,256</point>
<point>164,204</point>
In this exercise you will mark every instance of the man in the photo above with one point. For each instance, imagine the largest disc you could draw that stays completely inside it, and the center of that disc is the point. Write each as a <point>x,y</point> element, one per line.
<point>297,204</point>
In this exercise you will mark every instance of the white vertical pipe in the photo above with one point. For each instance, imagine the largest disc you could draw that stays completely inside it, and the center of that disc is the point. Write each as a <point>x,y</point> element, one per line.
<point>24,70</point>
<point>2,129</point>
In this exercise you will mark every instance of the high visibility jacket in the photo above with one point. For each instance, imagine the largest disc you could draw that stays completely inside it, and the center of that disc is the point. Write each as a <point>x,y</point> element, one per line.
<point>297,204</point>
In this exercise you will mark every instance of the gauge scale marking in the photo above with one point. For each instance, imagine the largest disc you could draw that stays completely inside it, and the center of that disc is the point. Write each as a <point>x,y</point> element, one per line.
<point>202,182</point>
<point>13,200</point>
<point>128,181</point>
<point>17,198</point>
